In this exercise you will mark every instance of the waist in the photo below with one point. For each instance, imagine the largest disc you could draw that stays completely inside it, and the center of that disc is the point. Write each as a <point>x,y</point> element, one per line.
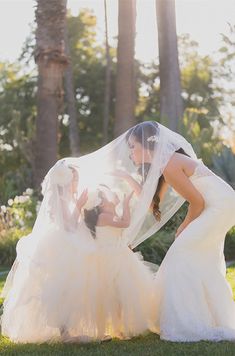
<point>215,190</point>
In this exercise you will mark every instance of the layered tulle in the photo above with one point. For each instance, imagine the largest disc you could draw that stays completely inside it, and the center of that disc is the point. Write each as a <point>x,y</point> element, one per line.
<point>78,289</point>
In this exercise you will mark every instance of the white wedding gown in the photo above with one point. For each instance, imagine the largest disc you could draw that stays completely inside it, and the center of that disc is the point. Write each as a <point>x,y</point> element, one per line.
<point>88,288</point>
<point>193,299</point>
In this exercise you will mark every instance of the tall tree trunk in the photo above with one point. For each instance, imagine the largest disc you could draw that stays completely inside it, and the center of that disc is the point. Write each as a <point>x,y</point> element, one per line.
<point>125,82</point>
<point>71,101</point>
<point>51,60</point>
<point>107,80</point>
<point>171,104</point>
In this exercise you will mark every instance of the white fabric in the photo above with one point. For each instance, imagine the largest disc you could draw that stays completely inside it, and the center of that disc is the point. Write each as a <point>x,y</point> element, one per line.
<point>63,278</point>
<point>193,299</point>
<point>89,288</point>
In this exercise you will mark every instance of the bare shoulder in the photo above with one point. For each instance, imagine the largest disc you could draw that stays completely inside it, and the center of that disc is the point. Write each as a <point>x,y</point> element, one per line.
<point>176,176</point>
<point>175,163</point>
<point>179,163</point>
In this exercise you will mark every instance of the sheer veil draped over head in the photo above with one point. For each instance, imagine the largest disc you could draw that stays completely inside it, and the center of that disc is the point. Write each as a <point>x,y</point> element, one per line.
<point>107,167</point>
<point>110,170</point>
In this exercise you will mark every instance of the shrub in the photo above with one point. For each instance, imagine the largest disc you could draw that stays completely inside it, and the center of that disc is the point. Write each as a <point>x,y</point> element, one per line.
<point>16,220</point>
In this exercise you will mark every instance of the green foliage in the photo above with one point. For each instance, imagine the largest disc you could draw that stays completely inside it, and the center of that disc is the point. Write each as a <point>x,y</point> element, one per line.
<point>224,165</point>
<point>229,247</point>
<point>16,220</point>
<point>155,248</point>
<point>231,278</point>
<point>17,121</point>
<point>200,134</point>
<point>148,105</point>
<point>88,63</point>
<point>8,245</point>
<point>198,82</point>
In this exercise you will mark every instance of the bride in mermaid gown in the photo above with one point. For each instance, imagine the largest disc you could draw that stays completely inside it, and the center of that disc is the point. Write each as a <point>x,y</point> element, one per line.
<point>193,299</point>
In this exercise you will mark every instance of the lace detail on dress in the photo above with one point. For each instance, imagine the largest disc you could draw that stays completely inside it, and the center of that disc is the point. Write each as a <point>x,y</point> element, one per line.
<point>201,171</point>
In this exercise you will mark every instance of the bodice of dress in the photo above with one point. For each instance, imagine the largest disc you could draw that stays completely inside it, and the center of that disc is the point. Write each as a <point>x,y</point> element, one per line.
<point>108,236</point>
<point>201,171</point>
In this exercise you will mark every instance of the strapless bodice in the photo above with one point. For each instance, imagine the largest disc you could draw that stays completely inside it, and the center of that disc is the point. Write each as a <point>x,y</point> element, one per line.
<point>215,191</point>
<point>201,171</point>
<point>108,236</point>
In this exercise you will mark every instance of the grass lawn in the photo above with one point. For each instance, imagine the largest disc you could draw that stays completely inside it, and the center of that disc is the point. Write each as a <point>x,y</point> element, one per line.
<point>231,279</point>
<point>141,346</point>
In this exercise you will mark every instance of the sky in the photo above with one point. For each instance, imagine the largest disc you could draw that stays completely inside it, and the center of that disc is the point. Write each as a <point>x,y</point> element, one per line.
<point>204,20</point>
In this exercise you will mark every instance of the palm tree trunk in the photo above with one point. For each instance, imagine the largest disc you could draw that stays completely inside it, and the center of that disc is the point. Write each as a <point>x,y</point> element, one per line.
<point>51,60</point>
<point>171,104</point>
<point>125,82</point>
<point>71,102</point>
<point>107,80</point>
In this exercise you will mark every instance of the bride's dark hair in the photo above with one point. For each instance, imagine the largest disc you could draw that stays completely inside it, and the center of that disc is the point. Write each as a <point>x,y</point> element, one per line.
<point>141,133</point>
<point>91,217</point>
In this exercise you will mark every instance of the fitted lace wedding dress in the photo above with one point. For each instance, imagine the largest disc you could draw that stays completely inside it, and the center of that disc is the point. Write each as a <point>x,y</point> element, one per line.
<point>193,299</point>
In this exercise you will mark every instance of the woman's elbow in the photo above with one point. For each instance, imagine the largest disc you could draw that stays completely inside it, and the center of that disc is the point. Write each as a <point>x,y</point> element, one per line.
<point>199,205</point>
<point>202,203</point>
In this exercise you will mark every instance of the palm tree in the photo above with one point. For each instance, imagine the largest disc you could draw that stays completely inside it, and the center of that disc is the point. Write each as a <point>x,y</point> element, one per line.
<point>51,60</point>
<point>171,105</point>
<point>71,101</point>
<point>107,79</point>
<point>125,82</point>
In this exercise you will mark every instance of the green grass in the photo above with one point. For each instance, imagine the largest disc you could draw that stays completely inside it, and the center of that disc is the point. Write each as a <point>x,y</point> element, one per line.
<point>149,345</point>
<point>2,281</point>
<point>141,346</point>
<point>231,278</point>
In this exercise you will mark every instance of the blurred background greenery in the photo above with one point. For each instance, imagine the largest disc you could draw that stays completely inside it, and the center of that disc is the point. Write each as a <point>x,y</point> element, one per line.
<point>205,82</point>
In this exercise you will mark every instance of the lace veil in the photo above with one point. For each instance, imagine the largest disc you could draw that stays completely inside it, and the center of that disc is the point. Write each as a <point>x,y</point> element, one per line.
<point>133,161</point>
<point>116,167</point>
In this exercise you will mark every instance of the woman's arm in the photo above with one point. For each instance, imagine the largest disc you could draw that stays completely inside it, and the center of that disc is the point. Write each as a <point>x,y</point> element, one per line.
<point>135,186</point>
<point>175,176</point>
<point>81,201</point>
<point>163,190</point>
<point>71,218</point>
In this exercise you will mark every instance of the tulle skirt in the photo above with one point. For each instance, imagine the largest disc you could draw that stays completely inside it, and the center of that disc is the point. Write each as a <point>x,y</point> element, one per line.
<point>72,289</point>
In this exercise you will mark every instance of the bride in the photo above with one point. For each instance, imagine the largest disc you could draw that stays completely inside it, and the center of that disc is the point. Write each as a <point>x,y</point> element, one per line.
<point>193,299</point>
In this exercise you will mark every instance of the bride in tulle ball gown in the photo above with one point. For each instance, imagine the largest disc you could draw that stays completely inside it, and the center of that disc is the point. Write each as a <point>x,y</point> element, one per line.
<point>193,299</point>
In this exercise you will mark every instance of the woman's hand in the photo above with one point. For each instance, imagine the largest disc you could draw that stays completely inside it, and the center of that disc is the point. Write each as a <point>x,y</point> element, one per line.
<point>127,198</point>
<point>120,174</point>
<point>129,179</point>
